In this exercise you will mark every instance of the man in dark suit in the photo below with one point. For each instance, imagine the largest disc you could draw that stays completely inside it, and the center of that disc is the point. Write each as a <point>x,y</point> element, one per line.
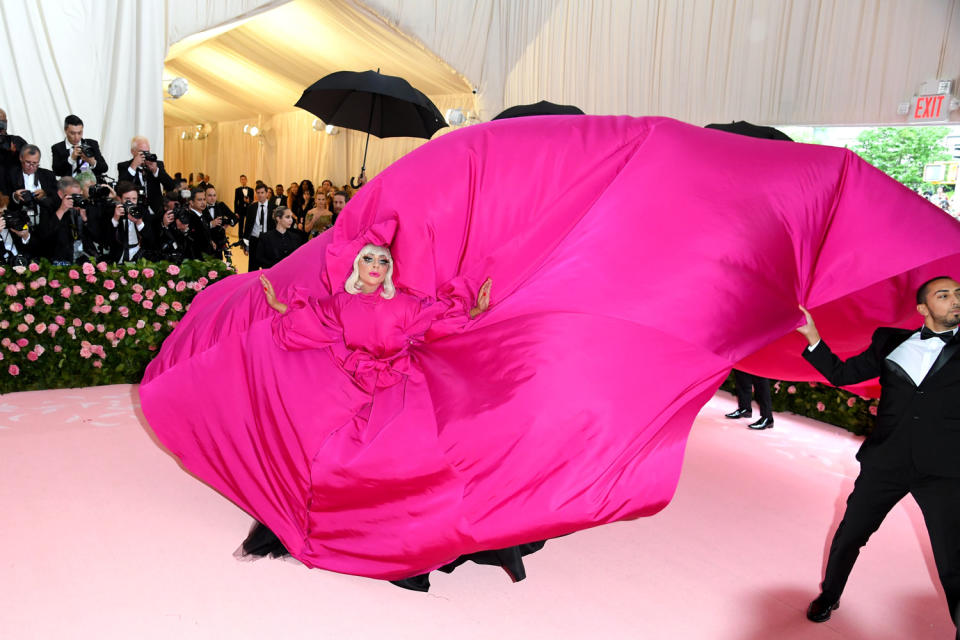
<point>259,222</point>
<point>199,225</point>
<point>218,217</point>
<point>34,191</point>
<point>76,154</point>
<point>147,172</point>
<point>10,147</point>
<point>915,446</point>
<point>127,233</point>
<point>242,198</point>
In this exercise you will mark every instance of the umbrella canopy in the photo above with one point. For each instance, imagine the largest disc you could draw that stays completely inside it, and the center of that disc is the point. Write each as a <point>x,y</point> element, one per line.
<point>542,108</point>
<point>752,130</point>
<point>385,106</point>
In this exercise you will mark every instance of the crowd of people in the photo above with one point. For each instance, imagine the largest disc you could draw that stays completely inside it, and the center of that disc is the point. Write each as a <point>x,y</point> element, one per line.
<point>74,212</point>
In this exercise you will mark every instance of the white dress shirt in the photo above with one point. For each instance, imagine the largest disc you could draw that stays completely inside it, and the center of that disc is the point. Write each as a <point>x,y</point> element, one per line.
<point>132,238</point>
<point>260,220</point>
<point>84,165</point>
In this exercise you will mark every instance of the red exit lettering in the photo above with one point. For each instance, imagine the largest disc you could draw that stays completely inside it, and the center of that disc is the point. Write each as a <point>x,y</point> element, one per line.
<point>928,107</point>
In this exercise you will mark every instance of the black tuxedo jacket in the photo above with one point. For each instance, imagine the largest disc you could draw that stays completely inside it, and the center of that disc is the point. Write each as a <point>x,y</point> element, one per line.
<point>116,238</point>
<point>239,205</point>
<point>61,155</point>
<point>156,186</point>
<point>40,232</point>
<point>922,421</point>
<point>252,219</point>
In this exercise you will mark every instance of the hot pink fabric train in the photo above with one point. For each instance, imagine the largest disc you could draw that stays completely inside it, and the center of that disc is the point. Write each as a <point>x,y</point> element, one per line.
<point>634,262</point>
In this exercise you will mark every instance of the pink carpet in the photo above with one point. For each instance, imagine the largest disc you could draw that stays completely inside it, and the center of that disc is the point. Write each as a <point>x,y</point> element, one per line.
<point>104,536</point>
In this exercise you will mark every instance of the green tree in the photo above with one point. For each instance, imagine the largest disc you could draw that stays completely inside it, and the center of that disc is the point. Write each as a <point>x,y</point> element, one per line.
<point>901,152</point>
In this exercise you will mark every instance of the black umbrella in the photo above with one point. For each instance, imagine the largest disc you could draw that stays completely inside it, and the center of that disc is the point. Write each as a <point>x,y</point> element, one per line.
<point>752,130</point>
<point>542,108</point>
<point>386,106</point>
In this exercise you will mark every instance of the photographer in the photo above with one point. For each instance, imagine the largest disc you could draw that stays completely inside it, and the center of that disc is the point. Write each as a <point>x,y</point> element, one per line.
<point>176,239</point>
<point>14,235</point>
<point>129,235</point>
<point>34,192</point>
<point>75,154</point>
<point>203,243</point>
<point>219,217</point>
<point>10,146</point>
<point>145,170</point>
<point>70,232</point>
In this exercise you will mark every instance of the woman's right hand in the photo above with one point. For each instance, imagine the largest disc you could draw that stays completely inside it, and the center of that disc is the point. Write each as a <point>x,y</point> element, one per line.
<point>271,296</point>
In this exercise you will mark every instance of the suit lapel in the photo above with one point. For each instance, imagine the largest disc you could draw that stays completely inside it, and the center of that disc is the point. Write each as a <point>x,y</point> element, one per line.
<point>899,371</point>
<point>946,353</point>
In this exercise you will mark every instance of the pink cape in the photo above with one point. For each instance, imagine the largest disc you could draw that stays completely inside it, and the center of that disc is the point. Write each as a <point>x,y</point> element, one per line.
<point>634,262</point>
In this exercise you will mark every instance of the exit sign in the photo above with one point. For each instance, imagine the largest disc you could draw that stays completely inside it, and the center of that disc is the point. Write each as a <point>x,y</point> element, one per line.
<point>931,108</point>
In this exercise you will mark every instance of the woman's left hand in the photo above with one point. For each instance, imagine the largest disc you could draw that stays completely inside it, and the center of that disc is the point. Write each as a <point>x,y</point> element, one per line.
<point>483,298</point>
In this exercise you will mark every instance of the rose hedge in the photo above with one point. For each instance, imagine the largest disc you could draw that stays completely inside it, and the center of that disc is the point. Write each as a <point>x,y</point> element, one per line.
<point>821,402</point>
<point>79,326</point>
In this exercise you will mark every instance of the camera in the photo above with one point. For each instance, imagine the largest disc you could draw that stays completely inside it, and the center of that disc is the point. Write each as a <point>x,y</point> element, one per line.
<point>16,219</point>
<point>27,198</point>
<point>99,192</point>
<point>182,214</point>
<point>133,210</point>
<point>86,148</point>
<point>79,202</point>
<point>148,157</point>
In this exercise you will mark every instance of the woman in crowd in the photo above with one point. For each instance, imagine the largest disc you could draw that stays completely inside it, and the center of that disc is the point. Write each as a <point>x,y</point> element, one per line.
<point>319,218</point>
<point>303,201</point>
<point>280,241</point>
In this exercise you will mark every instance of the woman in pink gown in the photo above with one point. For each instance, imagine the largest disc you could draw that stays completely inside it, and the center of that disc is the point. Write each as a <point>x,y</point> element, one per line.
<point>636,261</point>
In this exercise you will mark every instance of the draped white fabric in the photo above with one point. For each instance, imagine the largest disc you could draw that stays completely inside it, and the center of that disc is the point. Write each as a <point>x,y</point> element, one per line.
<point>766,61</point>
<point>99,59</point>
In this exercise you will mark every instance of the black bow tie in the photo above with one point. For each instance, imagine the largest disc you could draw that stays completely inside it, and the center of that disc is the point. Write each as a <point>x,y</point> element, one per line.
<point>926,333</point>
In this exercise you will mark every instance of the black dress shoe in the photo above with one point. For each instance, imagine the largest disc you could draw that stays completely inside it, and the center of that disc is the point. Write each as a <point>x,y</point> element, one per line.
<point>762,423</point>
<point>821,608</point>
<point>739,413</point>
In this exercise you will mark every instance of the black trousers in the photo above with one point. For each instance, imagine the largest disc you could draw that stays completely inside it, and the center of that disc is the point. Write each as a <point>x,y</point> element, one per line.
<point>748,384</point>
<point>875,492</point>
<point>253,264</point>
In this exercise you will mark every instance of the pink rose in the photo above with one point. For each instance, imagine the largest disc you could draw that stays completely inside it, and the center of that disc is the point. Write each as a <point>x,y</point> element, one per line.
<point>141,324</point>
<point>203,281</point>
<point>148,272</point>
<point>150,294</point>
<point>19,286</point>
<point>173,269</point>
<point>100,328</point>
<point>120,333</point>
<point>14,347</point>
<point>152,347</point>
<point>171,284</point>
<point>113,296</point>
<point>5,342</point>
<point>91,279</point>
<point>181,286</point>
<point>99,300</point>
<point>47,299</point>
<point>71,330</point>
<point>66,306</point>
<point>791,389</point>
<point>73,274</point>
<point>77,289</point>
<point>98,349</point>
<point>156,326</point>
<point>123,280</point>
<point>85,352</point>
<point>34,267</point>
<point>105,308</point>
<point>851,402</point>
<point>77,322</point>
<point>147,304</point>
<point>161,311</point>
<point>136,297</point>
<point>162,291</point>
<point>109,285</point>
<point>34,284</point>
<point>39,349</point>
<point>65,292</point>
<point>57,348</point>
<point>42,281</point>
<point>821,406</point>
<point>177,306</point>
<point>22,327</point>
<point>212,275</point>
<point>60,320</point>
<point>98,364</point>
<point>131,331</point>
<point>4,324</point>
<point>29,302</point>
<point>110,336</point>
<point>102,266</point>
<point>29,318</point>
<point>10,290</point>
<point>41,327</point>
<point>873,410</point>
<point>812,384</point>
<point>2,271</point>
<point>138,288</point>
<point>22,342</point>
<point>133,273</point>
<point>16,307</point>
<point>31,356</point>
<point>88,327</point>
<point>124,311</point>
<point>53,328</point>
<point>13,370</point>
<point>88,269</point>
<point>54,283</point>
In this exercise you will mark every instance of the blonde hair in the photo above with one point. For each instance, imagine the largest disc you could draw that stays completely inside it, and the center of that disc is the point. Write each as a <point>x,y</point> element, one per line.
<point>137,139</point>
<point>388,289</point>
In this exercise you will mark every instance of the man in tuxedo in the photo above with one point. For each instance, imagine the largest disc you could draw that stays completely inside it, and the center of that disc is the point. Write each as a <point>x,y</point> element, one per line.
<point>258,223</point>
<point>199,226</point>
<point>218,217</point>
<point>146,172</point>
<point>70,231</point>
<point>127,230</point>
<point>760,387</point>
<point>34,191</point>
<point>10,147</point>
<point>242,198</point>
<point>76,154</point>
<point>915,445</point>
<point>340,200</point>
